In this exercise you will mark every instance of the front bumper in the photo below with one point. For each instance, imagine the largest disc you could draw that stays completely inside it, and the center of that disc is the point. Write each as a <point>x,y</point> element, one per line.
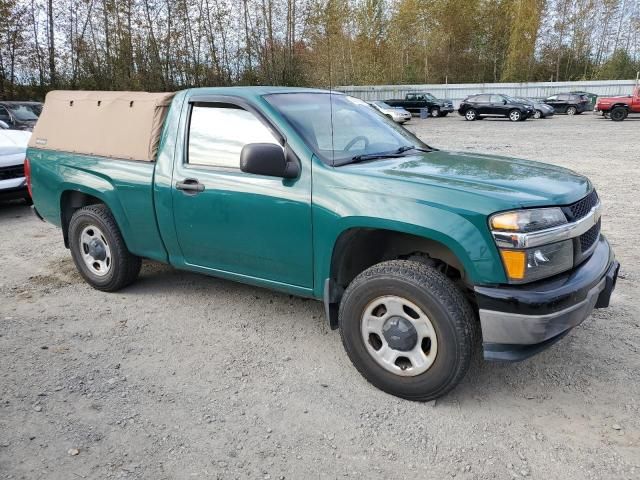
<point>401,118</point>
<point>520,321</point>
<point>447,108</point>
<point>14,193</point>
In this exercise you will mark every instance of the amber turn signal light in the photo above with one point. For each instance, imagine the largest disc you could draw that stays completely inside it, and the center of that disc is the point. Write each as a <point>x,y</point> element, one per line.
<point>514,263</point>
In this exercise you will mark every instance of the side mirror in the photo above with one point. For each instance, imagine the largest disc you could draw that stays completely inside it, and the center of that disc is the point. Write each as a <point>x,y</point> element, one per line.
<point>268,159</point>
<point>504,102</point>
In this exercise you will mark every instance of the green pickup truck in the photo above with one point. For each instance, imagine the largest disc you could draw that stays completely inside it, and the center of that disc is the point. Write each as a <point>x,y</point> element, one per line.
<point>418,254</point>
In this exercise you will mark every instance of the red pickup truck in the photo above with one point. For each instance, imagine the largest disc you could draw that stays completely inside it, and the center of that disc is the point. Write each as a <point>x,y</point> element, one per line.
<point>618,108</point>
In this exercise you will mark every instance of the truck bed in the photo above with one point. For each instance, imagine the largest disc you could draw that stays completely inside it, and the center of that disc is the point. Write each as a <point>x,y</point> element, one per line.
<point>127,185</point>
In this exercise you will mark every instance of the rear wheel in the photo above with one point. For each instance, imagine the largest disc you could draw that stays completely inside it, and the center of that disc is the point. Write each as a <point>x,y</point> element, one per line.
<point>407,329</point>
<point>99,251</point>
<point>515,115</point>
<point>471,114</point>
<point>618,114</point>
<point>571,110</point>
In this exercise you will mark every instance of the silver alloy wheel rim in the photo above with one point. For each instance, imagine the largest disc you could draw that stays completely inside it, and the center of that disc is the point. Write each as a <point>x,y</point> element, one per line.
<point>470,115</point>
<point>435,112</point>
<point>95,250</point>
<point>407,363</point>
<point>571,111</point>
<point>514,116</point>
<point>537,114</point>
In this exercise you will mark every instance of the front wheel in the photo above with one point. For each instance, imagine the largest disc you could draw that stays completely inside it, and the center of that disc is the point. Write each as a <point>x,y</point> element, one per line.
<point>99,251</point>
<point>471,114</point>
<point>537,114</point>
<point>407,329</point>
<point>515,115</point>
<point>618,114</point>
<point>435,112</point>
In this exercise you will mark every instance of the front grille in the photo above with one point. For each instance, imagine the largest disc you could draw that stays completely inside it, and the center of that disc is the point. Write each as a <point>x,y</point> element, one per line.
<point>588,238</point>
<point>15,171</point>
<point>581,208</point>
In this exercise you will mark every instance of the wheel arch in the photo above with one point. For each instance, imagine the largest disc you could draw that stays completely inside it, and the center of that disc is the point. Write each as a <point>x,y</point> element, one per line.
<point>616,105</point>
<point>72,198</point>
<point>357,248</point>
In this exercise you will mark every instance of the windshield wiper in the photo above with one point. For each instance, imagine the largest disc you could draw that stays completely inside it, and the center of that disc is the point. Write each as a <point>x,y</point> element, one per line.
<point>393,154</point>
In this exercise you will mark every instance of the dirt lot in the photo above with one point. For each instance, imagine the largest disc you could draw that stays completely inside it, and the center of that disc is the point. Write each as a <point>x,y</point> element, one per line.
<point>184,376</point>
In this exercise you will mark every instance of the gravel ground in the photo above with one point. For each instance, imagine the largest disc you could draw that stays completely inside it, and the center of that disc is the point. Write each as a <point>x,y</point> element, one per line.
<point>185,376</point>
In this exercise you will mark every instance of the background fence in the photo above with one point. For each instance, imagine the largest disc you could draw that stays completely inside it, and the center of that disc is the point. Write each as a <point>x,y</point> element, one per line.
<point>458,92</point>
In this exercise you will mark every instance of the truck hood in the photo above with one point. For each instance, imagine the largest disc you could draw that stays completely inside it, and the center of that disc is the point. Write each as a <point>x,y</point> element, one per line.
<point>13,141</point>
<point>506,182</point>
<point>625,98</point>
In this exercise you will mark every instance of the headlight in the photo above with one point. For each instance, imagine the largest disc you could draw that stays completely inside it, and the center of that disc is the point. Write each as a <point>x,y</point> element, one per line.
<point>538,262</point>
<point>529,264</point>
<point>523,221</point>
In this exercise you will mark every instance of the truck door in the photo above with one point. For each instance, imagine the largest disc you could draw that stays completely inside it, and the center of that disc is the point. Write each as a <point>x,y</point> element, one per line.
<point>230,221</point>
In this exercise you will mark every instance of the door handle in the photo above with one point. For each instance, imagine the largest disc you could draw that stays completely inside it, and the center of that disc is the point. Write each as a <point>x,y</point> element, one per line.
<point>190,186</point>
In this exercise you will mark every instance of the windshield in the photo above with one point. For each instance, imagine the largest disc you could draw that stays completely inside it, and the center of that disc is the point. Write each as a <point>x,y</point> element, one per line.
<point>23,112</point>
<point>428,96</point>
<point>357,128</point>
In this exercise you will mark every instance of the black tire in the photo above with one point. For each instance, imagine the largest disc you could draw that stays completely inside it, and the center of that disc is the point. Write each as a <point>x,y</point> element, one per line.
<point>124,267</point>
<point>454,322</point>
<point>435,112</point>
<point>571,110</point>
<point>618,114</point>
<point>28,200</point>
<point>471,114</point>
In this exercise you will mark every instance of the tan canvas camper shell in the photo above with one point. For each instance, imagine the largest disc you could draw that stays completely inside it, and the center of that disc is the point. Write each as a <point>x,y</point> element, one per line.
<point>125,125</point>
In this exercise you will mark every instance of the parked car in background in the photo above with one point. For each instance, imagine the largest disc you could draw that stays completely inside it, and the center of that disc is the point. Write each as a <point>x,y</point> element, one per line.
<point>20,115</point>
<point>13,147</point>
<point>619,108</point>
<point>397,114</point>
<point>416,101</point>
<point>569,103</point>
<point>541,110</point>
<point>592,97</point>
<point>483,105</point>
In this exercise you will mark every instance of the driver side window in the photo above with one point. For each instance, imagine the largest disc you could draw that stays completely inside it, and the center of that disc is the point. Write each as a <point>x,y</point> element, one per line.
<point>217,133</point>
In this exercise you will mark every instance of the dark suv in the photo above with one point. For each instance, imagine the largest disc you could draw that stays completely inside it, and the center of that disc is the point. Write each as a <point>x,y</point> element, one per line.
<point>569,103</point>
<point>476,107</point>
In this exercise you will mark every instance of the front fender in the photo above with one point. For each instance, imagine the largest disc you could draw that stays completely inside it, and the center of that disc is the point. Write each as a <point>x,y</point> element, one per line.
<point>467,237</point>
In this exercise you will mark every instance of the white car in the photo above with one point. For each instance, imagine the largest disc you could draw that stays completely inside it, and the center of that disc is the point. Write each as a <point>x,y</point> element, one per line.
<point>397,114</point>
<point>13,147</point>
